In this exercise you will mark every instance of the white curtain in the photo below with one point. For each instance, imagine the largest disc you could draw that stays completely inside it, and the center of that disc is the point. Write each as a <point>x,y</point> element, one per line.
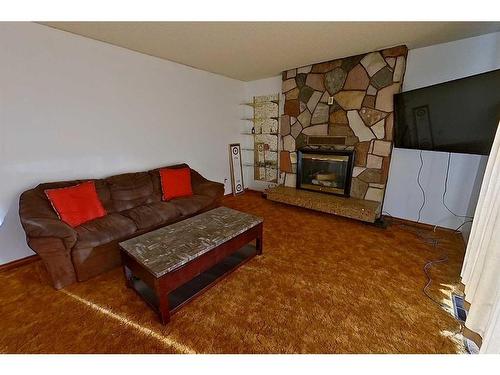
<point>481,269</point>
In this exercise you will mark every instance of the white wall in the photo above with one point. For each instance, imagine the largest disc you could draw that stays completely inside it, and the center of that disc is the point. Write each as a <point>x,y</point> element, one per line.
<point>428,66</point>
<point>72,107</point>
<point>267,86</point>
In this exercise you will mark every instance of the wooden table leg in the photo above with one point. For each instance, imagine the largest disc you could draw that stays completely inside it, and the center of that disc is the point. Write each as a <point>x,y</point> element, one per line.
<point>259,240</point>
<point>128,276</point>
<point>163,305</point>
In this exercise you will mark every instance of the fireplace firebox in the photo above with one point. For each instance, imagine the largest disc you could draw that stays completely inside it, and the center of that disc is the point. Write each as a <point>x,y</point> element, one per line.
<point>325,171</point>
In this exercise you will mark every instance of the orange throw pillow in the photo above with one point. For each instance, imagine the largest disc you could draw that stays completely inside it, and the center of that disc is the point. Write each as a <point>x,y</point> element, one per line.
<point>77,204</point>
<point>175,183</point>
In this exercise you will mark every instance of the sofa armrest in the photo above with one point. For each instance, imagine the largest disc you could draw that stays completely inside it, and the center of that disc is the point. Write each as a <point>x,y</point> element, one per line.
<point>210,189</point>
<point>49,227</point>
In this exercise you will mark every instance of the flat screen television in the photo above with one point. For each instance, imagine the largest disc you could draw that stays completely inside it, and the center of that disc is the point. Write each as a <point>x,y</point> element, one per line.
<point>456,116</point>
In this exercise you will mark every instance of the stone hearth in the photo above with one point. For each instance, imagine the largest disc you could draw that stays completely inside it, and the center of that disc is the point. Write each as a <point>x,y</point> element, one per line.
<point>359,209</point>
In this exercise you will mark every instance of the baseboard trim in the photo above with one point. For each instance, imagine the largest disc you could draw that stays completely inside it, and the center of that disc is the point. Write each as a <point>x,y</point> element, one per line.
<point>19,262</point>
<point>415,224</point>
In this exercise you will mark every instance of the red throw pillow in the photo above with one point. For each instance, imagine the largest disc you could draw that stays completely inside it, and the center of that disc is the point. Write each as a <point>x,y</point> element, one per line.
<point>77,204</point>
<point>175,183</point>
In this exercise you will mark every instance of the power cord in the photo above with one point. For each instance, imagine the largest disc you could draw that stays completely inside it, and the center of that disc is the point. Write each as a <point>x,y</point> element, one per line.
<point>420,186</point>
<point>446,188</point>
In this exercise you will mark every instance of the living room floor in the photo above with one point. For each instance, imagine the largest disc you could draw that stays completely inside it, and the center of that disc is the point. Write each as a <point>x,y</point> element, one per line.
<point>324,284</point>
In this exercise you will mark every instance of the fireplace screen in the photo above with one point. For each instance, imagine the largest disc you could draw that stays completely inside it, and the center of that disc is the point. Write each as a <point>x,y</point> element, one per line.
<point>325,172</point>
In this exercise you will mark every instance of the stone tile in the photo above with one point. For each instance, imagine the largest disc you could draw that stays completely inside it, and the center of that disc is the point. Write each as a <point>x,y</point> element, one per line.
<point>382,78</point>
<point>395,51</point>
<point>293,157</point>
<point>371,175</point>
<point>370,150</point>
<point>369,101</point>
<point>350,99</point>
<point>361,153</point>
<point>391,61</point>
<point>321,129</point>
<point>389,127</point>
<point>304,69</point>
<point>315,81</point>
<point>292,107</point>
<point>301,80</point>
<point>305,118</point>
<point>356,171</point>
<point>379,129</point>
<point>334,80</point>
<point>296,129</point>
<point>373,62</point>
<point>290,180</point>
<point>285,162</point>
<point>324,97</point>
<point>350,62</point>
<point>342,130</point>
<point>301,141</point>
<point>382,148</point>
<point>302,106</point>
<point>373,161</point>
<point>293,120</point>
<point>292,94</point>
<point>306,93</point>
<point>371,116</point>
<point>358,127</point>
<point>288,85</point>
<point>358,188</point>
<point>288,143</point>
<point>339,117</point>
<point>320,114</point>
<point>399,70</point>
<point>371,91</point>
<point>326,66</point>
<point>378,186</point>
<point>385,169</point>
<point>291,73</point>
<point>313,101</point>
<point>285,125</point>
<point>374,194</point>
<point>384,101</point>
<point>357,79</point>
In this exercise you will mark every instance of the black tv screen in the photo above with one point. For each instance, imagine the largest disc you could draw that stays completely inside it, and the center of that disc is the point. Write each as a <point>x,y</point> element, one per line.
<point>457,116</point>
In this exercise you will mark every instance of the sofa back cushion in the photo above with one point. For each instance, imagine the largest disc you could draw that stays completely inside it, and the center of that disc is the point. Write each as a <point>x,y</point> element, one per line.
<point>130,190</point>
<point>37,205</point>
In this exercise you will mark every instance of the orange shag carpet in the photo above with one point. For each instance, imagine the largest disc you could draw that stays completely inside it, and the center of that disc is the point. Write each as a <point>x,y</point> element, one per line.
<point>324,284</point>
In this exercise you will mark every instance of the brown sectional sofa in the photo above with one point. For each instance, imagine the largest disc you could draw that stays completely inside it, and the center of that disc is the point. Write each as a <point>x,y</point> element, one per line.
<point>134,206</point>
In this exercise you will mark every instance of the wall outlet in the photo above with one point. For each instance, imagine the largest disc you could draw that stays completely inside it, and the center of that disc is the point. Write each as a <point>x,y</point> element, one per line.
<point>330,100</point>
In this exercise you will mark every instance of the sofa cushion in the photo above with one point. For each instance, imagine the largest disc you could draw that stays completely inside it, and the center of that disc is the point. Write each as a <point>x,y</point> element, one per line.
<point>152,214</point>
<point>190,205</point>
<point>130,190</point>
<point>175,183</point>
<point>76,204</point>
<point>109,228</point>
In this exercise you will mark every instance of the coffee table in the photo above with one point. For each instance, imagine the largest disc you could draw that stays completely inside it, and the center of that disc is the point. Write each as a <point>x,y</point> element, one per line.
<point>170,266</point>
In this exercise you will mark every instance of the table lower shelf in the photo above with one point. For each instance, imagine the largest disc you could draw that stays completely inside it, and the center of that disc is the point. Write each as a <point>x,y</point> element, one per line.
<point>188,291</point>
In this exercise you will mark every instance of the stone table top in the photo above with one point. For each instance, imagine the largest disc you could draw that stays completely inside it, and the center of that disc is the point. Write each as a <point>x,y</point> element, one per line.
<point>168,248</point>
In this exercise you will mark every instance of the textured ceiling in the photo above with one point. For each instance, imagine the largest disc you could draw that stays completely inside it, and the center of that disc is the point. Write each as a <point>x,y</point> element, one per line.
<point>254,50</point>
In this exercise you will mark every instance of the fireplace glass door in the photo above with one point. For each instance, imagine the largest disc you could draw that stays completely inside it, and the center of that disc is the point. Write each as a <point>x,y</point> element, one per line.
<point>327,173</point>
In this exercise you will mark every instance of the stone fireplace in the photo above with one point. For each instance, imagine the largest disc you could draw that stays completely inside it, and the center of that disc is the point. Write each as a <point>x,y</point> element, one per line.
<point>326,171</point>
<point>346,104</point>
